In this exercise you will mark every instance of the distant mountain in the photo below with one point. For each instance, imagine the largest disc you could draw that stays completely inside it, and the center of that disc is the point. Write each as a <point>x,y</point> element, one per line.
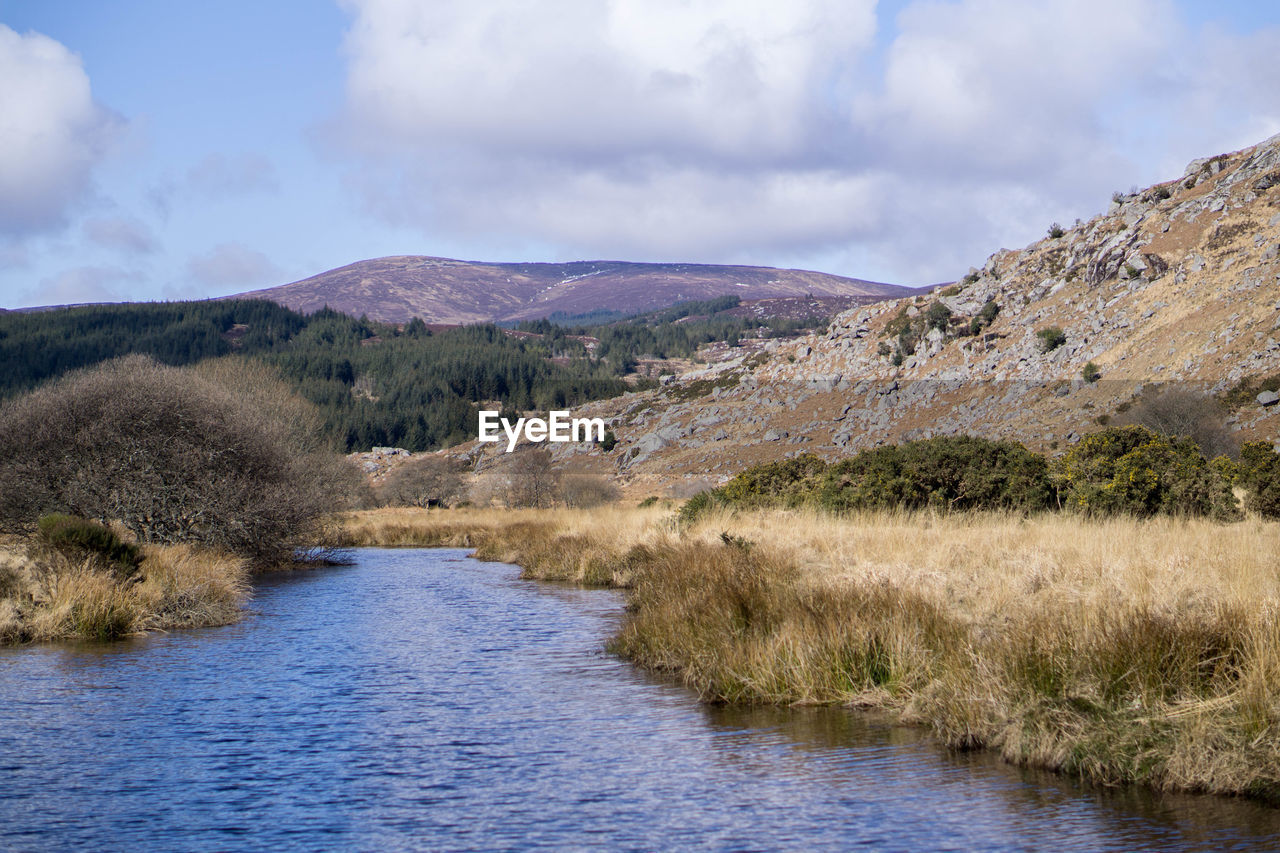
<point>440,290</point>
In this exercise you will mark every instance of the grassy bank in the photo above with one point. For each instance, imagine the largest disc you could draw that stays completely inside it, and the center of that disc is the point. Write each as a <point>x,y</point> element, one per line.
<point>599,546</point>
<point>1113,650</point>
<point>47,595</point>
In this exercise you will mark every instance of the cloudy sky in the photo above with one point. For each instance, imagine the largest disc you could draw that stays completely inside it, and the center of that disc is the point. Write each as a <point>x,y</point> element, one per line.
<point>160,150</point>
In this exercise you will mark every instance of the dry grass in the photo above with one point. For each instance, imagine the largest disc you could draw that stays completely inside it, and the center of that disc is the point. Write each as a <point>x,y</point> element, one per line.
<point>582,546</point>
<point>1115,650</point>
<point>46,595</point>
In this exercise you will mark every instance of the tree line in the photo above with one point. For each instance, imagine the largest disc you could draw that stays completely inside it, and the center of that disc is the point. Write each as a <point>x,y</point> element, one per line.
<point>375,384</point>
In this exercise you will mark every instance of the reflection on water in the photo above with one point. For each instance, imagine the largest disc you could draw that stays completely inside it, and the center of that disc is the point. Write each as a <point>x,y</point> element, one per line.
<point>421,700</point>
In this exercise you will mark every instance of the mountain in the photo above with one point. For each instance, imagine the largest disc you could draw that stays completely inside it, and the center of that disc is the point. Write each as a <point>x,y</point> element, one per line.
<point>440,290</point>
<point>1175,286</point>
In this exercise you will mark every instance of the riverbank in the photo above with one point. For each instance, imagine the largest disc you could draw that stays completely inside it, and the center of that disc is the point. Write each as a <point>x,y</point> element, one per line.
<point>47,595</point>
<point>1113,650</point>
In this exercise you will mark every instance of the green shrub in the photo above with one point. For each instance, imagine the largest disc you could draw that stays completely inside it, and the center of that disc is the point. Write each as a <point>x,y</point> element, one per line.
<point>988,312</point>
<point>1051,338</point>
<point>696,506</point>
<point>1090,373</point>
<point>947,473</point>
<point>787,482</point>
<point>648,502</point>
<point>1258,472</point>
<point>1134,471</point>
<point>610,441</point>
<point>80,536</point>
<point>985,316</point>
<point>937,316</point>
<point>1055,231</point>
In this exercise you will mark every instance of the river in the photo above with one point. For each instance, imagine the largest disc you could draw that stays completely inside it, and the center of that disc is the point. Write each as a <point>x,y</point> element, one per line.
<point>420,699</point>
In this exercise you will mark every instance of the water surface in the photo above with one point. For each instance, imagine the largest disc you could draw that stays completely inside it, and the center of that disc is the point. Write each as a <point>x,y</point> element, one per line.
<point>424,700</point>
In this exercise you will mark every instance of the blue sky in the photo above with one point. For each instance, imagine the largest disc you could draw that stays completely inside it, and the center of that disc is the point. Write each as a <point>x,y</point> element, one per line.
<point>159,150</point>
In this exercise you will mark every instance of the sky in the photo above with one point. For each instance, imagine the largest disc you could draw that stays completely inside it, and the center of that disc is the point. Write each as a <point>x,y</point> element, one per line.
<point>152,150</point>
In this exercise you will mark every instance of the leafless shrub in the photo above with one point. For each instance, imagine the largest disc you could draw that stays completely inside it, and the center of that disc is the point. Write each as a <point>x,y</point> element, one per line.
<point>426,481</point>
<point>170,456</point>
<point>587,490</point>
<point>1180,411</point>
<point>686,489</point>
<point>259,385</point>
<point>525,479</point>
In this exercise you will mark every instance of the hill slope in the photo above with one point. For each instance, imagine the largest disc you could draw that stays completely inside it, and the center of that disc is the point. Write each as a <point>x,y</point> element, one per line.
<point>1175,284</point>
<point>440,290</point>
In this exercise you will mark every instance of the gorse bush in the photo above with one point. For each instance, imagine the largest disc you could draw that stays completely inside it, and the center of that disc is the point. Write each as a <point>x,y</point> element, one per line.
<point>1121,470</point>
<point>947,473</point>
<point>937,316</point>
<point>75,535</point>
<point>1258,472</point>
<point>1134,471</point>
<point>788,482</point>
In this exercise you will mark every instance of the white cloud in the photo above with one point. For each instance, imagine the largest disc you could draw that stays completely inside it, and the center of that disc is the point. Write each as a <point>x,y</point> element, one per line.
<point>728,131</point>
<point>120,232</point>
<point>582,78</point>
<point>233,266</point>
<point>51,131</point>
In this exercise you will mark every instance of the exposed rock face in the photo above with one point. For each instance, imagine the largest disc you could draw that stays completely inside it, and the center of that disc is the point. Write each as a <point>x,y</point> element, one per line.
<point>1177,283</point>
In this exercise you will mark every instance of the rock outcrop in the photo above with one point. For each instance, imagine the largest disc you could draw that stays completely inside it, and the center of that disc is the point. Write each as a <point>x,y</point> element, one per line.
<point>1178,283</point>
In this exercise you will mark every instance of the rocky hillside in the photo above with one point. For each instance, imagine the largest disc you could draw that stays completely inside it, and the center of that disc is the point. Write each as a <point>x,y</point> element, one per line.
<point>440,290</point>
<point>1178,284</point>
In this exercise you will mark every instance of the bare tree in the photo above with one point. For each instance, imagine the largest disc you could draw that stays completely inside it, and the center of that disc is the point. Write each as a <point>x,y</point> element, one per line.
<point>426,481</point>
<point>528,480</point>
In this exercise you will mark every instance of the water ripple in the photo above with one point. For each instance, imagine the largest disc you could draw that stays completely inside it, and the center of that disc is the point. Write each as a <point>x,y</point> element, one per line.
<point>422,701</point>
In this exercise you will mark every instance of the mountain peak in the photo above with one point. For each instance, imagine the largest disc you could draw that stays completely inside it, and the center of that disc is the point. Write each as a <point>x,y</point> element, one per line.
<point>444,290</point>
